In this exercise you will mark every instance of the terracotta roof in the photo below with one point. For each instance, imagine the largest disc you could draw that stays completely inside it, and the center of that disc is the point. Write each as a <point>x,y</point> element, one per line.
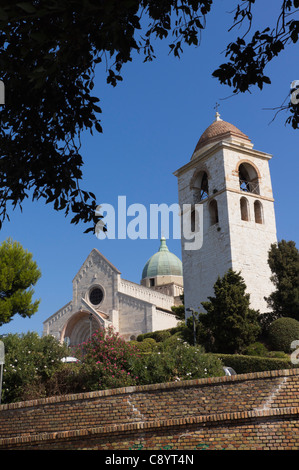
<point>217,131</point>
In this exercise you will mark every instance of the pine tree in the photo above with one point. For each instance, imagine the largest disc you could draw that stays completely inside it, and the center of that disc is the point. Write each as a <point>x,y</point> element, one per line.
<point>284,263</point>
<point>229,322</point>
<point>18,273</point>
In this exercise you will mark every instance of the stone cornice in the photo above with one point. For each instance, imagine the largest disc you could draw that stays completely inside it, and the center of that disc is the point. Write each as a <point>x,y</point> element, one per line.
<point>202,157</point>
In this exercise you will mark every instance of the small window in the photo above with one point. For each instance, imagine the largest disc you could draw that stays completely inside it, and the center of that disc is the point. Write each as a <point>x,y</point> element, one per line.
<point>152,281</point>
<point>244,208</point>
<point>258,212</point>
<point>194,221</point>
<point>96,296</point>
<point>213,209</point>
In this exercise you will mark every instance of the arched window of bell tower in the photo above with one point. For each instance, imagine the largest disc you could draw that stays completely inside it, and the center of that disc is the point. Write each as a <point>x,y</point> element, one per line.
<point>244,208</point>
<point>248,178</point>
<point>258,212</point>
<point>200,186</point>
<point>213,209</point>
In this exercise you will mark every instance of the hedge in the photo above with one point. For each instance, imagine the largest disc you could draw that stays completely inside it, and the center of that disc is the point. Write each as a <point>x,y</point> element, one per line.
<point>245,364</point>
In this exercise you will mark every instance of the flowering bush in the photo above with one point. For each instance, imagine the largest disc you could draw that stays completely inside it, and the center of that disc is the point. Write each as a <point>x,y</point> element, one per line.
<point>29,362</point>
<point>112,357</point>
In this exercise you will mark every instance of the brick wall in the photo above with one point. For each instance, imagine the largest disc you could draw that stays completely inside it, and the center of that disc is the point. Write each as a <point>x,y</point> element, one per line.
<point>249,411</point>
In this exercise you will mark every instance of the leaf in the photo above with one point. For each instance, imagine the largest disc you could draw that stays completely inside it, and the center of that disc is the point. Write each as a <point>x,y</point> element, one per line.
<point>3,15</point>
<point>98,127</point>
<point>28,7</point>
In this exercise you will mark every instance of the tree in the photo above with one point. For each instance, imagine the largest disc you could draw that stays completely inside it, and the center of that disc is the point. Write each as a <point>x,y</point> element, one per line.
<point>48,54</point>
<point>18,273</point>
<point>229,322</point>
<point>30,361</point>
<point>247,59</point>
<point>283,260</point>
<point>179,310</point>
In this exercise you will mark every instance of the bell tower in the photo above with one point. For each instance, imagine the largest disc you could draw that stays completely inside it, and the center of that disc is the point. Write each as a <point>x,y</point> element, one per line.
<point>232,183</point>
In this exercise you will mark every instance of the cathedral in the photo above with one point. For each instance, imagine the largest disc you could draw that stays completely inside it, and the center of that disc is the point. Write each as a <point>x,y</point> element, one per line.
<point>230,182</point>
<point>101,298</point>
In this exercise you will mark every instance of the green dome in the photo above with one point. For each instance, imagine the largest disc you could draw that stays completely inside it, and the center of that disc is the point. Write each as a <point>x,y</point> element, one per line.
<point>163,263</point>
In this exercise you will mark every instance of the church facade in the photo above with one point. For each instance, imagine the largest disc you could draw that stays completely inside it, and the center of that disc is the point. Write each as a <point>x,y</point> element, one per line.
<point>101,298</point>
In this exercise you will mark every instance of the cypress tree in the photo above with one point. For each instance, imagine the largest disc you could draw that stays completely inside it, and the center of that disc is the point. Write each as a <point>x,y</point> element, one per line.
<point>284,263</point>
<point>229,322</point>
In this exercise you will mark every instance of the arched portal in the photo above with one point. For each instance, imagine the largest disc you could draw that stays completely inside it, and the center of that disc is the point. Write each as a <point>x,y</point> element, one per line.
<point>80,327</point>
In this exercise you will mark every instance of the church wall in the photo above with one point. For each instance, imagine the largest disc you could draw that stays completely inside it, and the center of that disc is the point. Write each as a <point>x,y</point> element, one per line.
<point>163,320</point>
<point>145,294</point>
<point>54,324</point>
<point>251,242</point>
<point>135,316</point>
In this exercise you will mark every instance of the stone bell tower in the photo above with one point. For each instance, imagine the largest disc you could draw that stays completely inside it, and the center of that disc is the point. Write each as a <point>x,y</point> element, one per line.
<point>232,182</point>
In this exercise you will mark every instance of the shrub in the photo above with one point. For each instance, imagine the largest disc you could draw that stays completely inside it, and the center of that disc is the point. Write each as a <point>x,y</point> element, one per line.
<point>182,362</point>
<point>246,364</point>
<point>256,349</point>
<point>282,332</point>
<point>147,345</point>
<point>110,357</point>
<point>29,362</point>
<point>158,336</point>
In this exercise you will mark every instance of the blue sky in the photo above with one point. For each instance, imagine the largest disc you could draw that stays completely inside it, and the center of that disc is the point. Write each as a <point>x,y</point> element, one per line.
<point>151,123</point>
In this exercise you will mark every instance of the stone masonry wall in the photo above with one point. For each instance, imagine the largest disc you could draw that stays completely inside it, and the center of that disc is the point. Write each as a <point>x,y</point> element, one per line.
<point>249,411</point>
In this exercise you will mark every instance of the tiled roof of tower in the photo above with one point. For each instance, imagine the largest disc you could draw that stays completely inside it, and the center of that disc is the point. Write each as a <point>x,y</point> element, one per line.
<point>217,131</point>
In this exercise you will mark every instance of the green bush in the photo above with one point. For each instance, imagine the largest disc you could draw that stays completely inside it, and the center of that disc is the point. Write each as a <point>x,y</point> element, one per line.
<point>29,362</point>
<point>145,346</point>
<point>282,332</point>
<point>256,349</point>
<point>158,336</point>
<point>246,364</point>
<point>73,378</point>
<point>182,362</point>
